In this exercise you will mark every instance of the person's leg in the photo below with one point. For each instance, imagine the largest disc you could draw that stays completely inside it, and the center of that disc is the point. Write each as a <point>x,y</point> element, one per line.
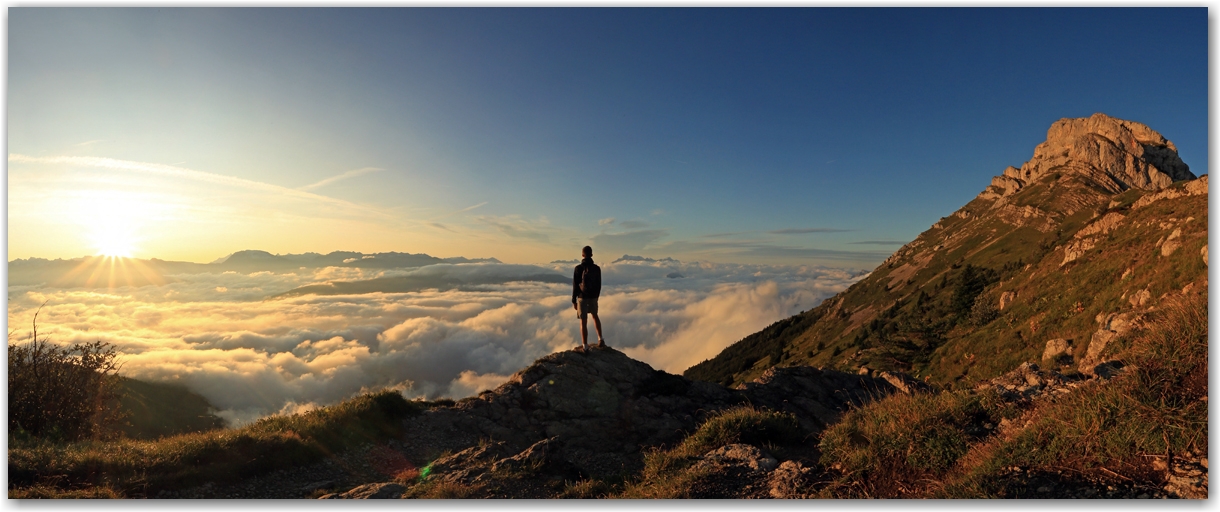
<point>584,330</point>
<point>597,323</point>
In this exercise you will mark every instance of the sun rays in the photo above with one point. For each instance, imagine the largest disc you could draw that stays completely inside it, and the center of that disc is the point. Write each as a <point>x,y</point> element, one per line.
<point>112,271</point>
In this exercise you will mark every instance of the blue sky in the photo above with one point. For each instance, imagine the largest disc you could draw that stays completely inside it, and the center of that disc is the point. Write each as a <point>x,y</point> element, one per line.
<point>816,135</point>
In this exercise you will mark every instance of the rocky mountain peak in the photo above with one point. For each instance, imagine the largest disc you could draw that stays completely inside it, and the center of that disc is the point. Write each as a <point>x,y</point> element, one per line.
<point>1114,153</point>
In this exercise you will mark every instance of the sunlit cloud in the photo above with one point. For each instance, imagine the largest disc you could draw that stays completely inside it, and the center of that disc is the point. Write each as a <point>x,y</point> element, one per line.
<point>606,221</point>
<point>219,335</point>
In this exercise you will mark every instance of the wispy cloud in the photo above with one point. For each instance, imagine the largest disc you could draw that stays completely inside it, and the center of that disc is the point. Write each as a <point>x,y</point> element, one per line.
<point>516,227</point>
<point>765,249</point>
<point>606,221</point>
<point>463,210</point>
<point>87,143</point>
<point>634,224</point>
<point>878,242</point>
<point>805,231</point>
<point>349,174</point>
<point>190,174</point>
<point>622,243</point>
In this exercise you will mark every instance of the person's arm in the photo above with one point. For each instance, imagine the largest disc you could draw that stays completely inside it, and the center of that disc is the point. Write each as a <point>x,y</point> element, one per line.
<point>575,285</point>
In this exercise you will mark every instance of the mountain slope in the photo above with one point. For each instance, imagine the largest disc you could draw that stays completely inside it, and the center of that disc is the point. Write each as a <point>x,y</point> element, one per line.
<point>1104,211</point>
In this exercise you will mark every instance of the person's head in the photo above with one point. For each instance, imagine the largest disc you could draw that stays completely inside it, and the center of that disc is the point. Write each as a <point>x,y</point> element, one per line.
<point>587,252</point>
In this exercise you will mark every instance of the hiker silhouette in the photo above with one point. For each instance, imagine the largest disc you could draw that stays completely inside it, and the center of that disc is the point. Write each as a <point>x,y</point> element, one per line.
<point>586,287</point>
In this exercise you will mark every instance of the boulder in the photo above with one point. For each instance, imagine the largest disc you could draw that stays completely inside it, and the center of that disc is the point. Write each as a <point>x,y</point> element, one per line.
<point>791,480</point>
<point>1172,243</point>
<point>1055,349</point>
<point>1139,298</point>
<point>1097,343</point>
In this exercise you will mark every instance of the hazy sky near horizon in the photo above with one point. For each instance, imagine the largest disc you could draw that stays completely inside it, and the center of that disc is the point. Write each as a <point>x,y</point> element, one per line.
<point>763,136</point>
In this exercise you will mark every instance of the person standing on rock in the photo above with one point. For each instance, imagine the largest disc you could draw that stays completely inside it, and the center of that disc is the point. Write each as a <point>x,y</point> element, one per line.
<point>586,286</point>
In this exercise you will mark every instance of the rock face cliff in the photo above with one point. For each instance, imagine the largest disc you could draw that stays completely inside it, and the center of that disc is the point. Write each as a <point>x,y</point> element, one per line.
<point>1115,154</point>
<point>1104,219</point>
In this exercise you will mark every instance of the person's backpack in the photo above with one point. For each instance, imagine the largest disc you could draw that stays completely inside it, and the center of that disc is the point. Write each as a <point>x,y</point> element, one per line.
<point>591,281</point>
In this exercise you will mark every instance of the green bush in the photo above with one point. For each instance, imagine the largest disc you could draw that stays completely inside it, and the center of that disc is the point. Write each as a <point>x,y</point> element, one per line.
<point>62,392</point>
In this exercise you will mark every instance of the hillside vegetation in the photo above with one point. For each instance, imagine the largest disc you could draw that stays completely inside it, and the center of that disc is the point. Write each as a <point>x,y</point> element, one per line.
<point>142,468</point>
<point>1047,252</point>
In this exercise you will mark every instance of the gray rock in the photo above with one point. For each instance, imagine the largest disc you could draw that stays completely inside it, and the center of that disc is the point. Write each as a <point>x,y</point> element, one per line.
<point>791,480</point>
<point>904,383</point>
<point>741,454</point>
<point>1055,349</point>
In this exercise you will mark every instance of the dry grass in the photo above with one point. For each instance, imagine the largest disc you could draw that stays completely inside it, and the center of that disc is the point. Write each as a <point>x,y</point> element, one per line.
<point>668,473</point>
<point>928,446</point>
<point>1157,407</point>
<point>139,468</point>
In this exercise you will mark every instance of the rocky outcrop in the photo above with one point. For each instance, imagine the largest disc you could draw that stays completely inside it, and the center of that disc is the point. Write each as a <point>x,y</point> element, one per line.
<point>1087,237</point>
<point>1192,188</point>
<point>1116,154</point>
<point>594,412</point>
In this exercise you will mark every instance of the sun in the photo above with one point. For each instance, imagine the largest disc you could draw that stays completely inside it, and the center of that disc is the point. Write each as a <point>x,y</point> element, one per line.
<point>111,220</point>
<point>113,241</point>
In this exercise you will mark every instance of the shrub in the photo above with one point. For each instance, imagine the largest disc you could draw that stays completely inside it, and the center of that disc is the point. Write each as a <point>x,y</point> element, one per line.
<point>983,311</point>
<point>60,392</point>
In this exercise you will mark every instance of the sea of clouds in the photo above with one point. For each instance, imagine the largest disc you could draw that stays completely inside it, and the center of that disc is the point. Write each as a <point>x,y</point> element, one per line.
<point>250,356</point>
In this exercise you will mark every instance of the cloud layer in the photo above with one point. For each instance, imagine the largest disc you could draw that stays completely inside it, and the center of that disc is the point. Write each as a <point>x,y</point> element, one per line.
<point>252,356</point>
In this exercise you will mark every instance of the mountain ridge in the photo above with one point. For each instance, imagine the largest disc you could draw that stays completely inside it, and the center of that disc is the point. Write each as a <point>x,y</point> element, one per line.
<point>914,311</point>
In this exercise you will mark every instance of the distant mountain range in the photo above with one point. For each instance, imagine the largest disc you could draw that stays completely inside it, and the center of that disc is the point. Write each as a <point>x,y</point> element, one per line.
<point>102,272</point>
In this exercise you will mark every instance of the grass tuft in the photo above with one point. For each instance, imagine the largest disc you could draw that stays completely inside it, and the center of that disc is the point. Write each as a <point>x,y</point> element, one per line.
<point>668,473</point>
